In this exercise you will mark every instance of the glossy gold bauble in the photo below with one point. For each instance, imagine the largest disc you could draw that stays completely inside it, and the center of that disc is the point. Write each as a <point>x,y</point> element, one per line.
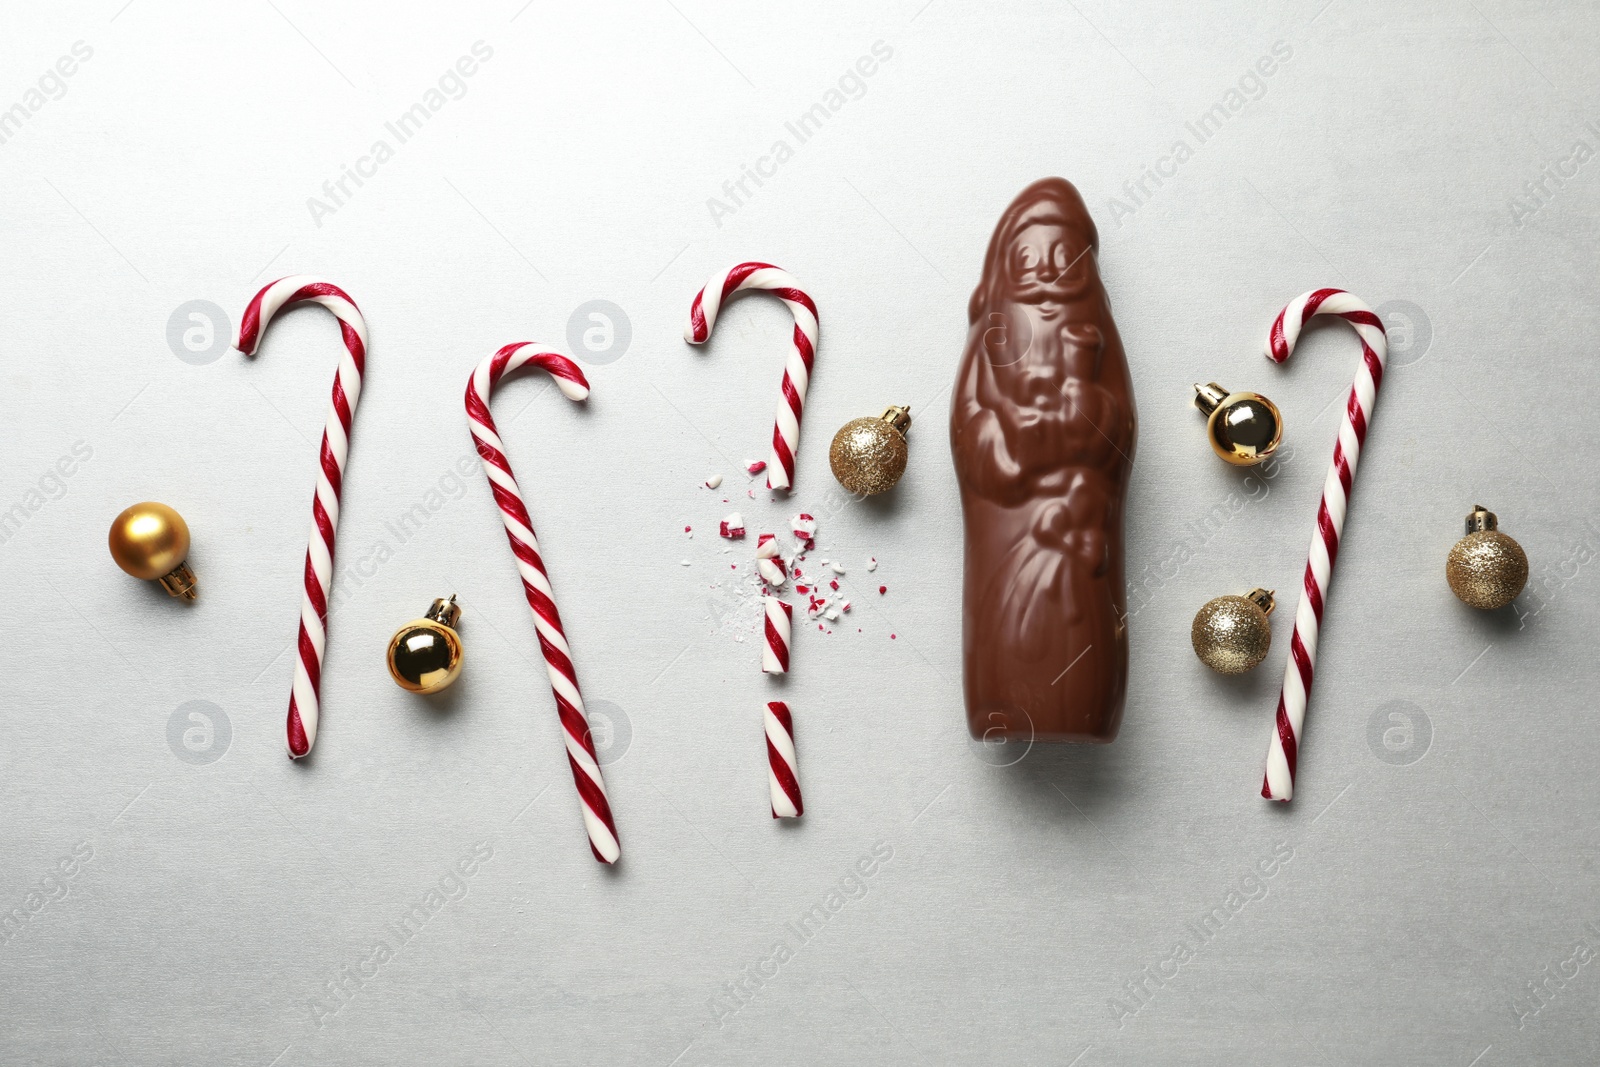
<point>1231,634</point>
<point>151,541</point>
<point>869,455</point>
<point>1243,428</point>
<point>425,654</point>
<point>1486,569</point>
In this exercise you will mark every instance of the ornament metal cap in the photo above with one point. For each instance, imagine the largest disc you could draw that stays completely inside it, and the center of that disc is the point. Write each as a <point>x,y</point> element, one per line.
<point>898,416</point>
<point>1482,520</point>
<point>1263,599</point>
<point>444,611</point>
<point>1208,397</point>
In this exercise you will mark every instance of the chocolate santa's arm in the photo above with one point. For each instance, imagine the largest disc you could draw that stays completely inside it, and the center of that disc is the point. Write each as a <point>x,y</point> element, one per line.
<point>983,459</point>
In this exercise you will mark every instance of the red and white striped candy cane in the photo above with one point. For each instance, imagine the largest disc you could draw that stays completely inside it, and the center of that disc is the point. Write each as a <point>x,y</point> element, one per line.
<point>536,580</point>
<point>777,634</point>
<point>1283,751</point>
<point>783,778</point>
<point>304,708</point>
<point>802,350</point>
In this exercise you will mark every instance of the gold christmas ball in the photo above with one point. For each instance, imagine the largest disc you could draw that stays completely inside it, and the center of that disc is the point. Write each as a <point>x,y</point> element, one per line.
<point>425,654</point>
<point>1486,569</point>
<point>1231,634</point>
<point>869,455</point>
<point>1243,428</point>
<point>151,541</point>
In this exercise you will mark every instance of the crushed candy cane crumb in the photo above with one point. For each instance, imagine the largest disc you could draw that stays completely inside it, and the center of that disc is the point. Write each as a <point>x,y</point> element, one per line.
<point>778,565</point>
<point>714,481</point>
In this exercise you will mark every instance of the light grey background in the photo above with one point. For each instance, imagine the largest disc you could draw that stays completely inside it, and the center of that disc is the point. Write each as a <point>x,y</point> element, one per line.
<point>1443,841</point>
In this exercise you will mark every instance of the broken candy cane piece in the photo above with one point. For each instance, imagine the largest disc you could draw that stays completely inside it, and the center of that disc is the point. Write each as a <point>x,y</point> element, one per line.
<point>783,775</point>
<point>805,529</point>
<point>733,526</point>
<point>768,562</point>
<point>771,571</point>
<point>775,649</point>
<point>713,481</point>
<point>755,466</point>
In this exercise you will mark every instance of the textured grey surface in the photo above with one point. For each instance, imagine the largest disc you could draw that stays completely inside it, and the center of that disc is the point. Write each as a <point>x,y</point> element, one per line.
<point>1442,848</point>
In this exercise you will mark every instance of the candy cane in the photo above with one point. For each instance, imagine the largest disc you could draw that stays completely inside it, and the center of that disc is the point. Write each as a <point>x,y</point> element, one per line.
<point>802,351</point>
<point>783,779</point>
<point>775,647</point>
<point>304,708</point>
<point>1283,751</point>
<point>536,580</point>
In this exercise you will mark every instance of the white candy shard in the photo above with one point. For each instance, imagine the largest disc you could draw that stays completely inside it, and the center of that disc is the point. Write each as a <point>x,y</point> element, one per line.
<point>872,564</point>
<point>837,568</point>
<point>713,481</point>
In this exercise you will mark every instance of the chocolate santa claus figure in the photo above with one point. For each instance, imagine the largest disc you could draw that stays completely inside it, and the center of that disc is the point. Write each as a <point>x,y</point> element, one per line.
<point>1043,428</point>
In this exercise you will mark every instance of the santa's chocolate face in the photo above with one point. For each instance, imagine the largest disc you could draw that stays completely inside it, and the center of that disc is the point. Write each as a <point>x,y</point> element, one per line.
<point>1044,264</point>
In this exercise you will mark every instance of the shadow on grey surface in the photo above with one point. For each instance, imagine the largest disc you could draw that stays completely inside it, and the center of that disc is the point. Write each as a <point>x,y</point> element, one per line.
<point>1090,778</point>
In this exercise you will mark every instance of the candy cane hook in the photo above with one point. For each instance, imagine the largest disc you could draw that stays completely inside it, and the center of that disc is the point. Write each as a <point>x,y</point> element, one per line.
<point>796,369</point>
<point>304,708</point>
<point>1283,751</point>
<point>536,580</point>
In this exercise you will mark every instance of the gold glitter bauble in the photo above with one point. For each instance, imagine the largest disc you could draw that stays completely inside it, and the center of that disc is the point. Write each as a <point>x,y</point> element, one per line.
<point>1486,569</point>
<point>869,455</point>
<point>1231,634</point>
